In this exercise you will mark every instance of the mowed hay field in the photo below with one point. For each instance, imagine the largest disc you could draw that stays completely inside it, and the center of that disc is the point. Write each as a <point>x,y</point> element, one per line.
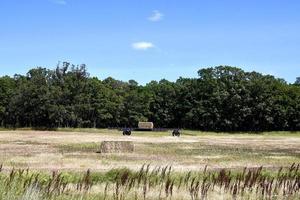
<point>75,149</point>
<point>65,165</point>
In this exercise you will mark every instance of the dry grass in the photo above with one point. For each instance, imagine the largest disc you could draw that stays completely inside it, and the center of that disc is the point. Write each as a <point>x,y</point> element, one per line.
<point>152,183</point>
<point>67,150</point>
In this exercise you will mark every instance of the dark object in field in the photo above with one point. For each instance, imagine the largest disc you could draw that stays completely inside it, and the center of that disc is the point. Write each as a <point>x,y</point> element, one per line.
<point>176,132</point>
<point>127,131</point>
<point>116,147</point>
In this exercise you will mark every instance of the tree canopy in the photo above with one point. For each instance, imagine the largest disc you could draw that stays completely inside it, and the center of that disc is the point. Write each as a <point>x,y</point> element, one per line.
<point>222,98</point>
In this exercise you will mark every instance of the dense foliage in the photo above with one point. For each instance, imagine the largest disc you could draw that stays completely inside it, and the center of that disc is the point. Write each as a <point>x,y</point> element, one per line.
<point>223,98</point>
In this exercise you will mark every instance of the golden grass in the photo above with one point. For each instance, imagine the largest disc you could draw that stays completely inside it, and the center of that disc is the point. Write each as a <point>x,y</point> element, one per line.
<point>67,150</point>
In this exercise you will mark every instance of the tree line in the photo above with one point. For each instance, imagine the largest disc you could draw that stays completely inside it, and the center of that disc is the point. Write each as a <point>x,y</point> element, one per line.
<point>221,98</point>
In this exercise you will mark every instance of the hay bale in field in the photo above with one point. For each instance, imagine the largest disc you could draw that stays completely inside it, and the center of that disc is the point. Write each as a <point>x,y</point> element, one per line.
<point>146,125</point>
<point>116,147</point>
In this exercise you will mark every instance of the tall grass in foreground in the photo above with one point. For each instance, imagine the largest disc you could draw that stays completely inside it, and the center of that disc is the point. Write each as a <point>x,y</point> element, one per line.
<point>152,183</point>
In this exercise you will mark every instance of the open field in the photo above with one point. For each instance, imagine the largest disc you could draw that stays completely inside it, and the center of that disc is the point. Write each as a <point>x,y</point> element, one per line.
<point>188,167</point>
<point>76,150</point>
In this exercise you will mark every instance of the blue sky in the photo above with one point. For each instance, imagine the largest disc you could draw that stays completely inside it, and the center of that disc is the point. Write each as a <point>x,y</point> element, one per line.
<point>151,39</point>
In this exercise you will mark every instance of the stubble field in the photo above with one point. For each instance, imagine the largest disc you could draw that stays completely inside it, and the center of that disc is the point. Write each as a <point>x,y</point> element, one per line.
<point>76,150</point>
<point>65,165</point>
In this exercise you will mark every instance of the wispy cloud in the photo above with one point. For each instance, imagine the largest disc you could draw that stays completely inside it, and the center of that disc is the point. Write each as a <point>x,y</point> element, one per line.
<point>142,45</point>
<point>60,2</point>
<point>156,16</point>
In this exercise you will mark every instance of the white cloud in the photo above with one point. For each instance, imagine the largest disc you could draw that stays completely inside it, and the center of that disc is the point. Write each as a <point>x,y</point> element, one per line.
<point>156,16</point>
<point>60,2</point>
<point>142,45</point>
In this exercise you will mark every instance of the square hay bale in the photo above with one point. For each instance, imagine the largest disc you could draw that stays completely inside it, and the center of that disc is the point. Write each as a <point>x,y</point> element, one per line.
<point>145,125</point>
<point>116,147</point>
